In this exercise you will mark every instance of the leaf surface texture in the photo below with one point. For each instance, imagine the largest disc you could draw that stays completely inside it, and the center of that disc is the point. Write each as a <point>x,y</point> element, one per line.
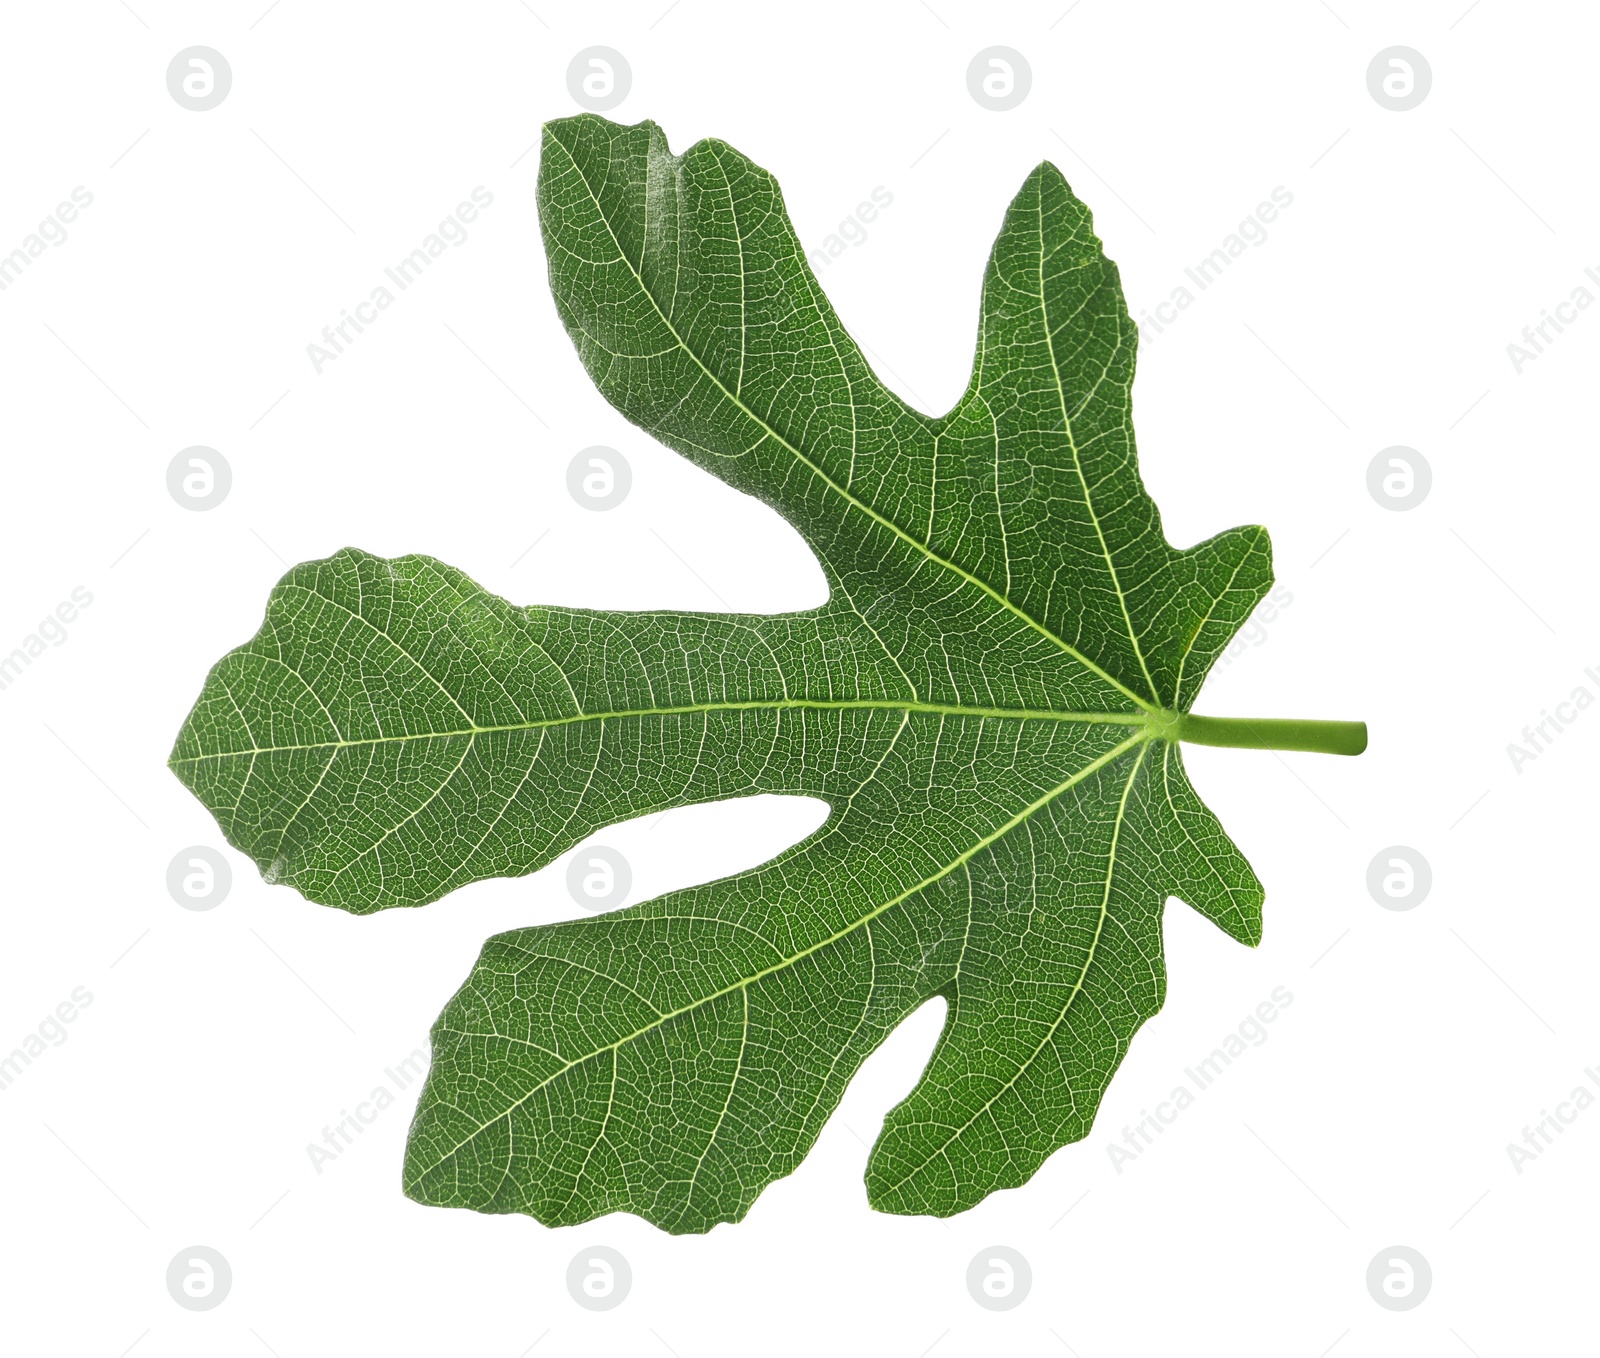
<point>980,703</point>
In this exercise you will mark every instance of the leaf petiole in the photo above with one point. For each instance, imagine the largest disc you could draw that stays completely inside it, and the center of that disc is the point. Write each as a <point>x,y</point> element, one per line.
<point>1267,733</point>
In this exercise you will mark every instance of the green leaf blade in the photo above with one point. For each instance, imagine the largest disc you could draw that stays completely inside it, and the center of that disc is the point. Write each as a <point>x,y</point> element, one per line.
<point>988,704</point>
<point>830,946</point>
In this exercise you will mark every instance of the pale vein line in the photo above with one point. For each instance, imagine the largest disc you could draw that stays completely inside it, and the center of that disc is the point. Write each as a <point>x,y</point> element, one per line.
<point>1177,693</point>
<point>727,1103</point>
<point>1167,757</point>
<point>866,622</point>
<point>827,480</point>
<point>738,240</point>
<point>1093,767</point>
<point>1077,986</point>
<point>694,709</point>
<point>1077,463</point>
<point>605,1121</point>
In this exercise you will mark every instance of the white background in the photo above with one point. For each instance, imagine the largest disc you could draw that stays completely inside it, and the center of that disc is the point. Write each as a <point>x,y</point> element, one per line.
<point>1377,312</point>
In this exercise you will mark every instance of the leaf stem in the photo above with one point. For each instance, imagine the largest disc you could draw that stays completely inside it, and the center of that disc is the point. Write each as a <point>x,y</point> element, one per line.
<point>1270,733</point>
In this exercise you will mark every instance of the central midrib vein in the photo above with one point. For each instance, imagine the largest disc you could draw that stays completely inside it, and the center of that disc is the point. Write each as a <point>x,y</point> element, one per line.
<point>691,709</point>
